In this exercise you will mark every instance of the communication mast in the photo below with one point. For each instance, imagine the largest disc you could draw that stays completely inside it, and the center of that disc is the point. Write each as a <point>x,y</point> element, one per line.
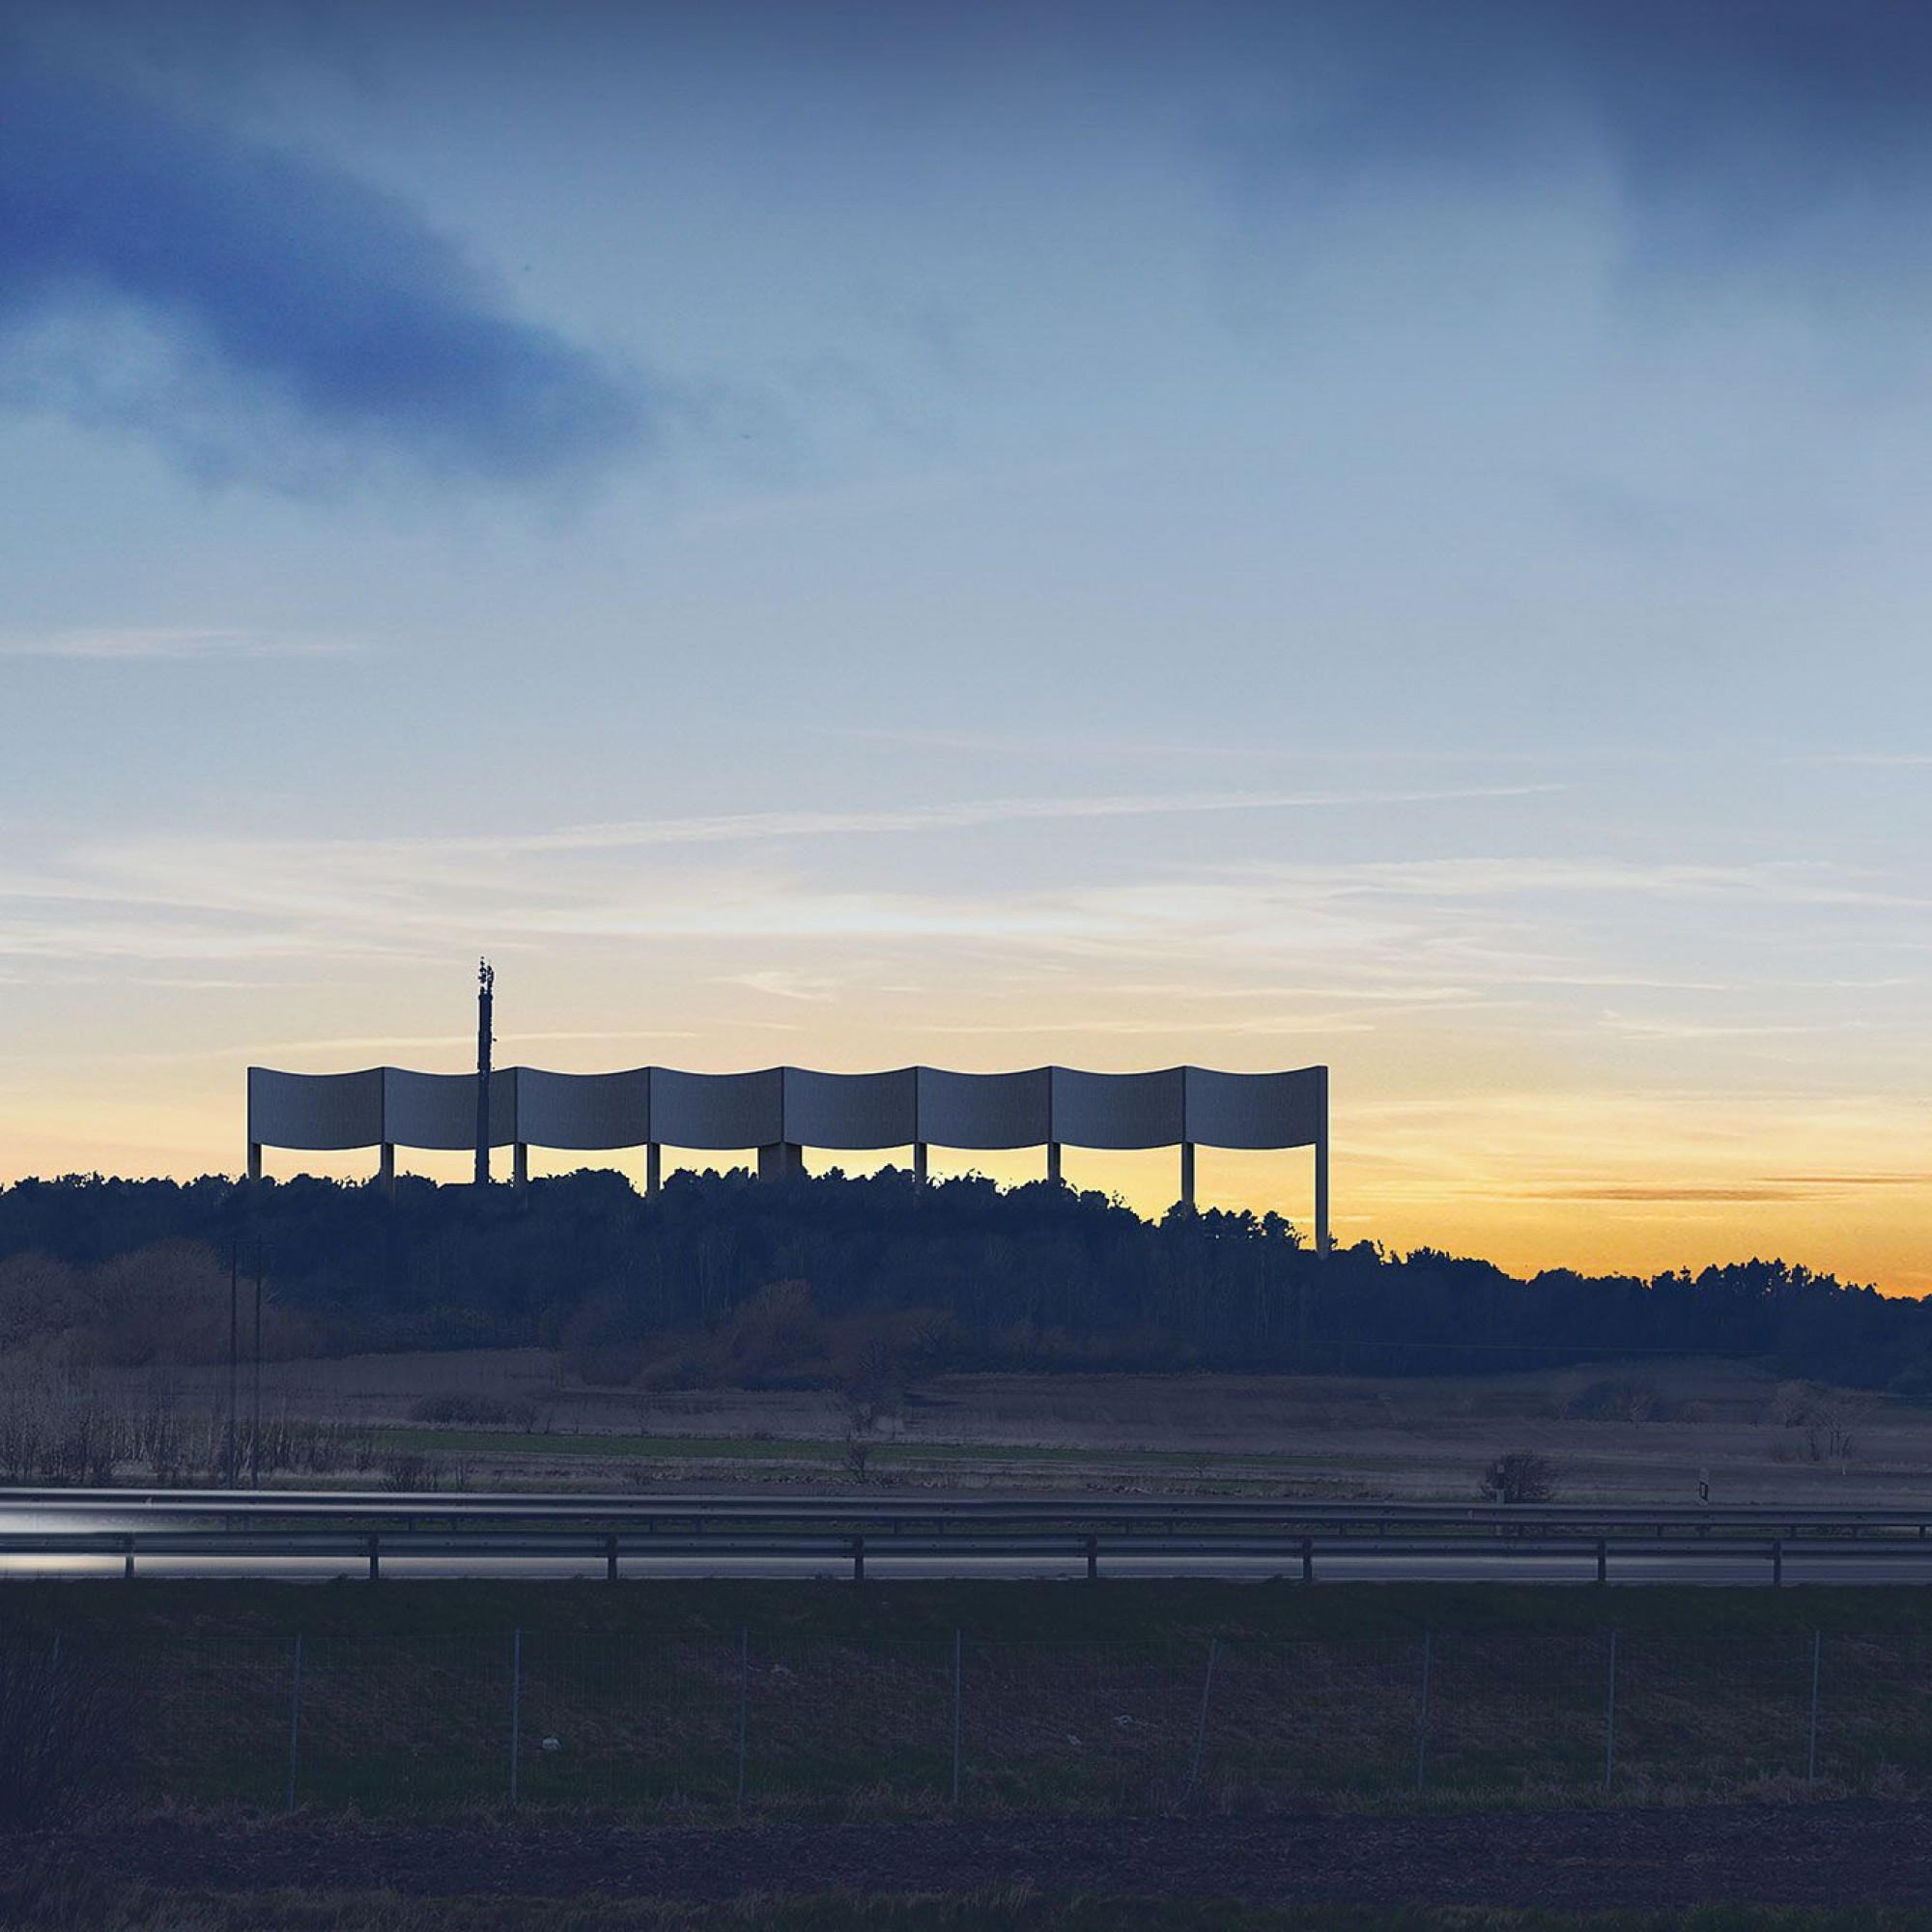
<point>486,981</point>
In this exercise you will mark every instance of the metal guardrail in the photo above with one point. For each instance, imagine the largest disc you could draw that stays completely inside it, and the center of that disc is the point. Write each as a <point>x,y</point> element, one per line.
<point>1302,1553</point>
<point>362,1529</point>
<point>874,1510</point>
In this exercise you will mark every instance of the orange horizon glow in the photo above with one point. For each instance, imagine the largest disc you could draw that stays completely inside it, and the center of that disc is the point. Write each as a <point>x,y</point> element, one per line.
<point>1526,1198</point>
<point>1502,1130</point>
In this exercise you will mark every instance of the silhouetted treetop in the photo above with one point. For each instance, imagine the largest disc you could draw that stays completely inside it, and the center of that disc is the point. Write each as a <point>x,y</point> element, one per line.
<point>1036,1276</point>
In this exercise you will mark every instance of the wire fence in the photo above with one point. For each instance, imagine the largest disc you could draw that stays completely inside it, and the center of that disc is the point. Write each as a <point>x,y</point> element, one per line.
<point>755,1724</point>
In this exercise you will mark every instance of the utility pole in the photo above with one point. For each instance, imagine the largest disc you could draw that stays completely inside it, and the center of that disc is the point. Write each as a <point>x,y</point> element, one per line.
<point>486,981</point>
<point>234,1346</point>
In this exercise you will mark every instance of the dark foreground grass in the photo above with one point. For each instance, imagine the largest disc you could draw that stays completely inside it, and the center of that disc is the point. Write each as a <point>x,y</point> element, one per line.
<point>708,1700</point>
<point>74,1903</point>
<point>136,1614</point>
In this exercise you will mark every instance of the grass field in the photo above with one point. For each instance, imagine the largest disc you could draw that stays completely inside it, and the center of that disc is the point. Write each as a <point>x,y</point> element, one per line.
<point>1628,1431</point>
<point>79,1906</point>
<point>705,1699</point>
<point>494,1447</point>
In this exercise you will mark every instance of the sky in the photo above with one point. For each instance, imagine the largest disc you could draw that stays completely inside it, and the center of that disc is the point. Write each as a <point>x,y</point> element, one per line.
<point>1357,531</point>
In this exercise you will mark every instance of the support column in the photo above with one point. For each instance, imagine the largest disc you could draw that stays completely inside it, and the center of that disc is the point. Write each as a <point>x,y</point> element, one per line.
<point>254,1160</point>
<point>1321,1238</point>
<point>1187,1176</point>
<point>1053,1163</point>
<point>782,1160</point>
<point>918,1163</point>
<point>653,1170</point>
<point>519,1167</point>
<point>386,1171</point>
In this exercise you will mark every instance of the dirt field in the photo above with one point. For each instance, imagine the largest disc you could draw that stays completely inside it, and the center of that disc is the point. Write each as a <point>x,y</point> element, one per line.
<point>1640,1431</point>
<point>1821,1855</point>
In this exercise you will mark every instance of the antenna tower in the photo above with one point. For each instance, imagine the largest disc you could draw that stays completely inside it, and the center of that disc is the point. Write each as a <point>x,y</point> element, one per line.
<point>486,982</point>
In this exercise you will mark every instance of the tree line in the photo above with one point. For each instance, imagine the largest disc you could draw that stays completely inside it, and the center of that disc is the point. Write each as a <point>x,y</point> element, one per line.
<point>725,1274</point>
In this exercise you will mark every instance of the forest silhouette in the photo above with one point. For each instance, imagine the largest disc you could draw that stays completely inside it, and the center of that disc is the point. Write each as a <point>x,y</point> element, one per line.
<point>720,1275</point>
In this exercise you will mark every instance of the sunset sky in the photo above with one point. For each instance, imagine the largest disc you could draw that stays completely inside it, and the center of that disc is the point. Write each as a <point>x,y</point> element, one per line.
<point>1391,534</point>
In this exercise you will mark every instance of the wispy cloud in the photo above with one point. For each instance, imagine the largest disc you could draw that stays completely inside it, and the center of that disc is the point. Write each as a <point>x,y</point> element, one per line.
<point>171,643</point>
<point>1772,1188</point>
<point>1635,1026</point>
<point>763,827</point>
<point>1878,760</point>
<point>297,871</point>
<point>1669,1193</point>
<point>1785,881</point>
<point>459,1042</point>
<point>780,984</point>
<point>1293,953</point>
<point>261,315</point>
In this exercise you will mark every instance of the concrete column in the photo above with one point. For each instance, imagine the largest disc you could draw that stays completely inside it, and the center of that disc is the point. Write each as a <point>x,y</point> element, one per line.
<point>653,1170</point>
<point>1187,1176</point>
<point>254,1160</point>
<point>918,1162</point>
<point>1053,1163</point>
<point>1321,1238</point>
<point>386,1173</point>
<point>783,1161</point>
<point>519,1167</point>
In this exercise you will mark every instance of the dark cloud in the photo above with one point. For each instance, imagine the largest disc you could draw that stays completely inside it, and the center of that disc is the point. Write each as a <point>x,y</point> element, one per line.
<point>1756,133</point>
<point>298,321</point>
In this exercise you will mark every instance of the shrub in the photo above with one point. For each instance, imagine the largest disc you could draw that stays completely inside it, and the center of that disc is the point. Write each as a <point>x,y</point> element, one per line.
<point>1518,1476</point>
<point>474,1412</point>
<point>415,1472</point>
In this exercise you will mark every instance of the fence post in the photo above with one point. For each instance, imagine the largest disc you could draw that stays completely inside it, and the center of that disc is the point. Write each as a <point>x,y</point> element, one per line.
<point>1603,1559</point>
<point>858,1559</point>
<point>958,1688</point>
<point>1611,1718</point>
<point>1422,1712</point>
<point>1200,1723</point>
<point>1092,1558</point>
<point>375,1556</point>
<point>1308,1559</point>
<point>610,1557</point>
<point>294,1718</point>
<point>1812,1730</point>
<point>1776,1560</point>
<point>127,1558</point>
<point>516,1706</point>
<point>744,1703</point>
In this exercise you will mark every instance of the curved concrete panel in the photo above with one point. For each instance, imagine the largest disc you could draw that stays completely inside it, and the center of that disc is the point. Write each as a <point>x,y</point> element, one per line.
<point>851,1110</point>
<point>439,1110</point>
<point>794,1106</point>
<point>717,1110</point>
<point>1117,1110</point>
<point>317,1111</point>
<point>984,1110</point>
<point>600,1111</point>
<point>1256,1109</point>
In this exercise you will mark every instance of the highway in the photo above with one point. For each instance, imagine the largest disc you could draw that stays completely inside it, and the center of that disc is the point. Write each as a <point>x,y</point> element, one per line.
<point>315,1536</point>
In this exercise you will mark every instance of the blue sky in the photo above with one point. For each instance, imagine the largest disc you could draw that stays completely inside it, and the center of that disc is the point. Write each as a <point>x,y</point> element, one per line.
<point>1379,533</point>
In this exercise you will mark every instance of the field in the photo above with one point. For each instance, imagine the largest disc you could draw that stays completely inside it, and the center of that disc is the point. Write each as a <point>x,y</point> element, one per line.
<point>1621,1429</point>
<point>507,1741</point>
<point>404,1820</point>
<point>725,1700</point>
<point>82,1902</point>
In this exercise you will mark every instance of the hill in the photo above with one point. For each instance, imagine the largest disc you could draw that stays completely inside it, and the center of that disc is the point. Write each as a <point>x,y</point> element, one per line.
<point>722,1276</point>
